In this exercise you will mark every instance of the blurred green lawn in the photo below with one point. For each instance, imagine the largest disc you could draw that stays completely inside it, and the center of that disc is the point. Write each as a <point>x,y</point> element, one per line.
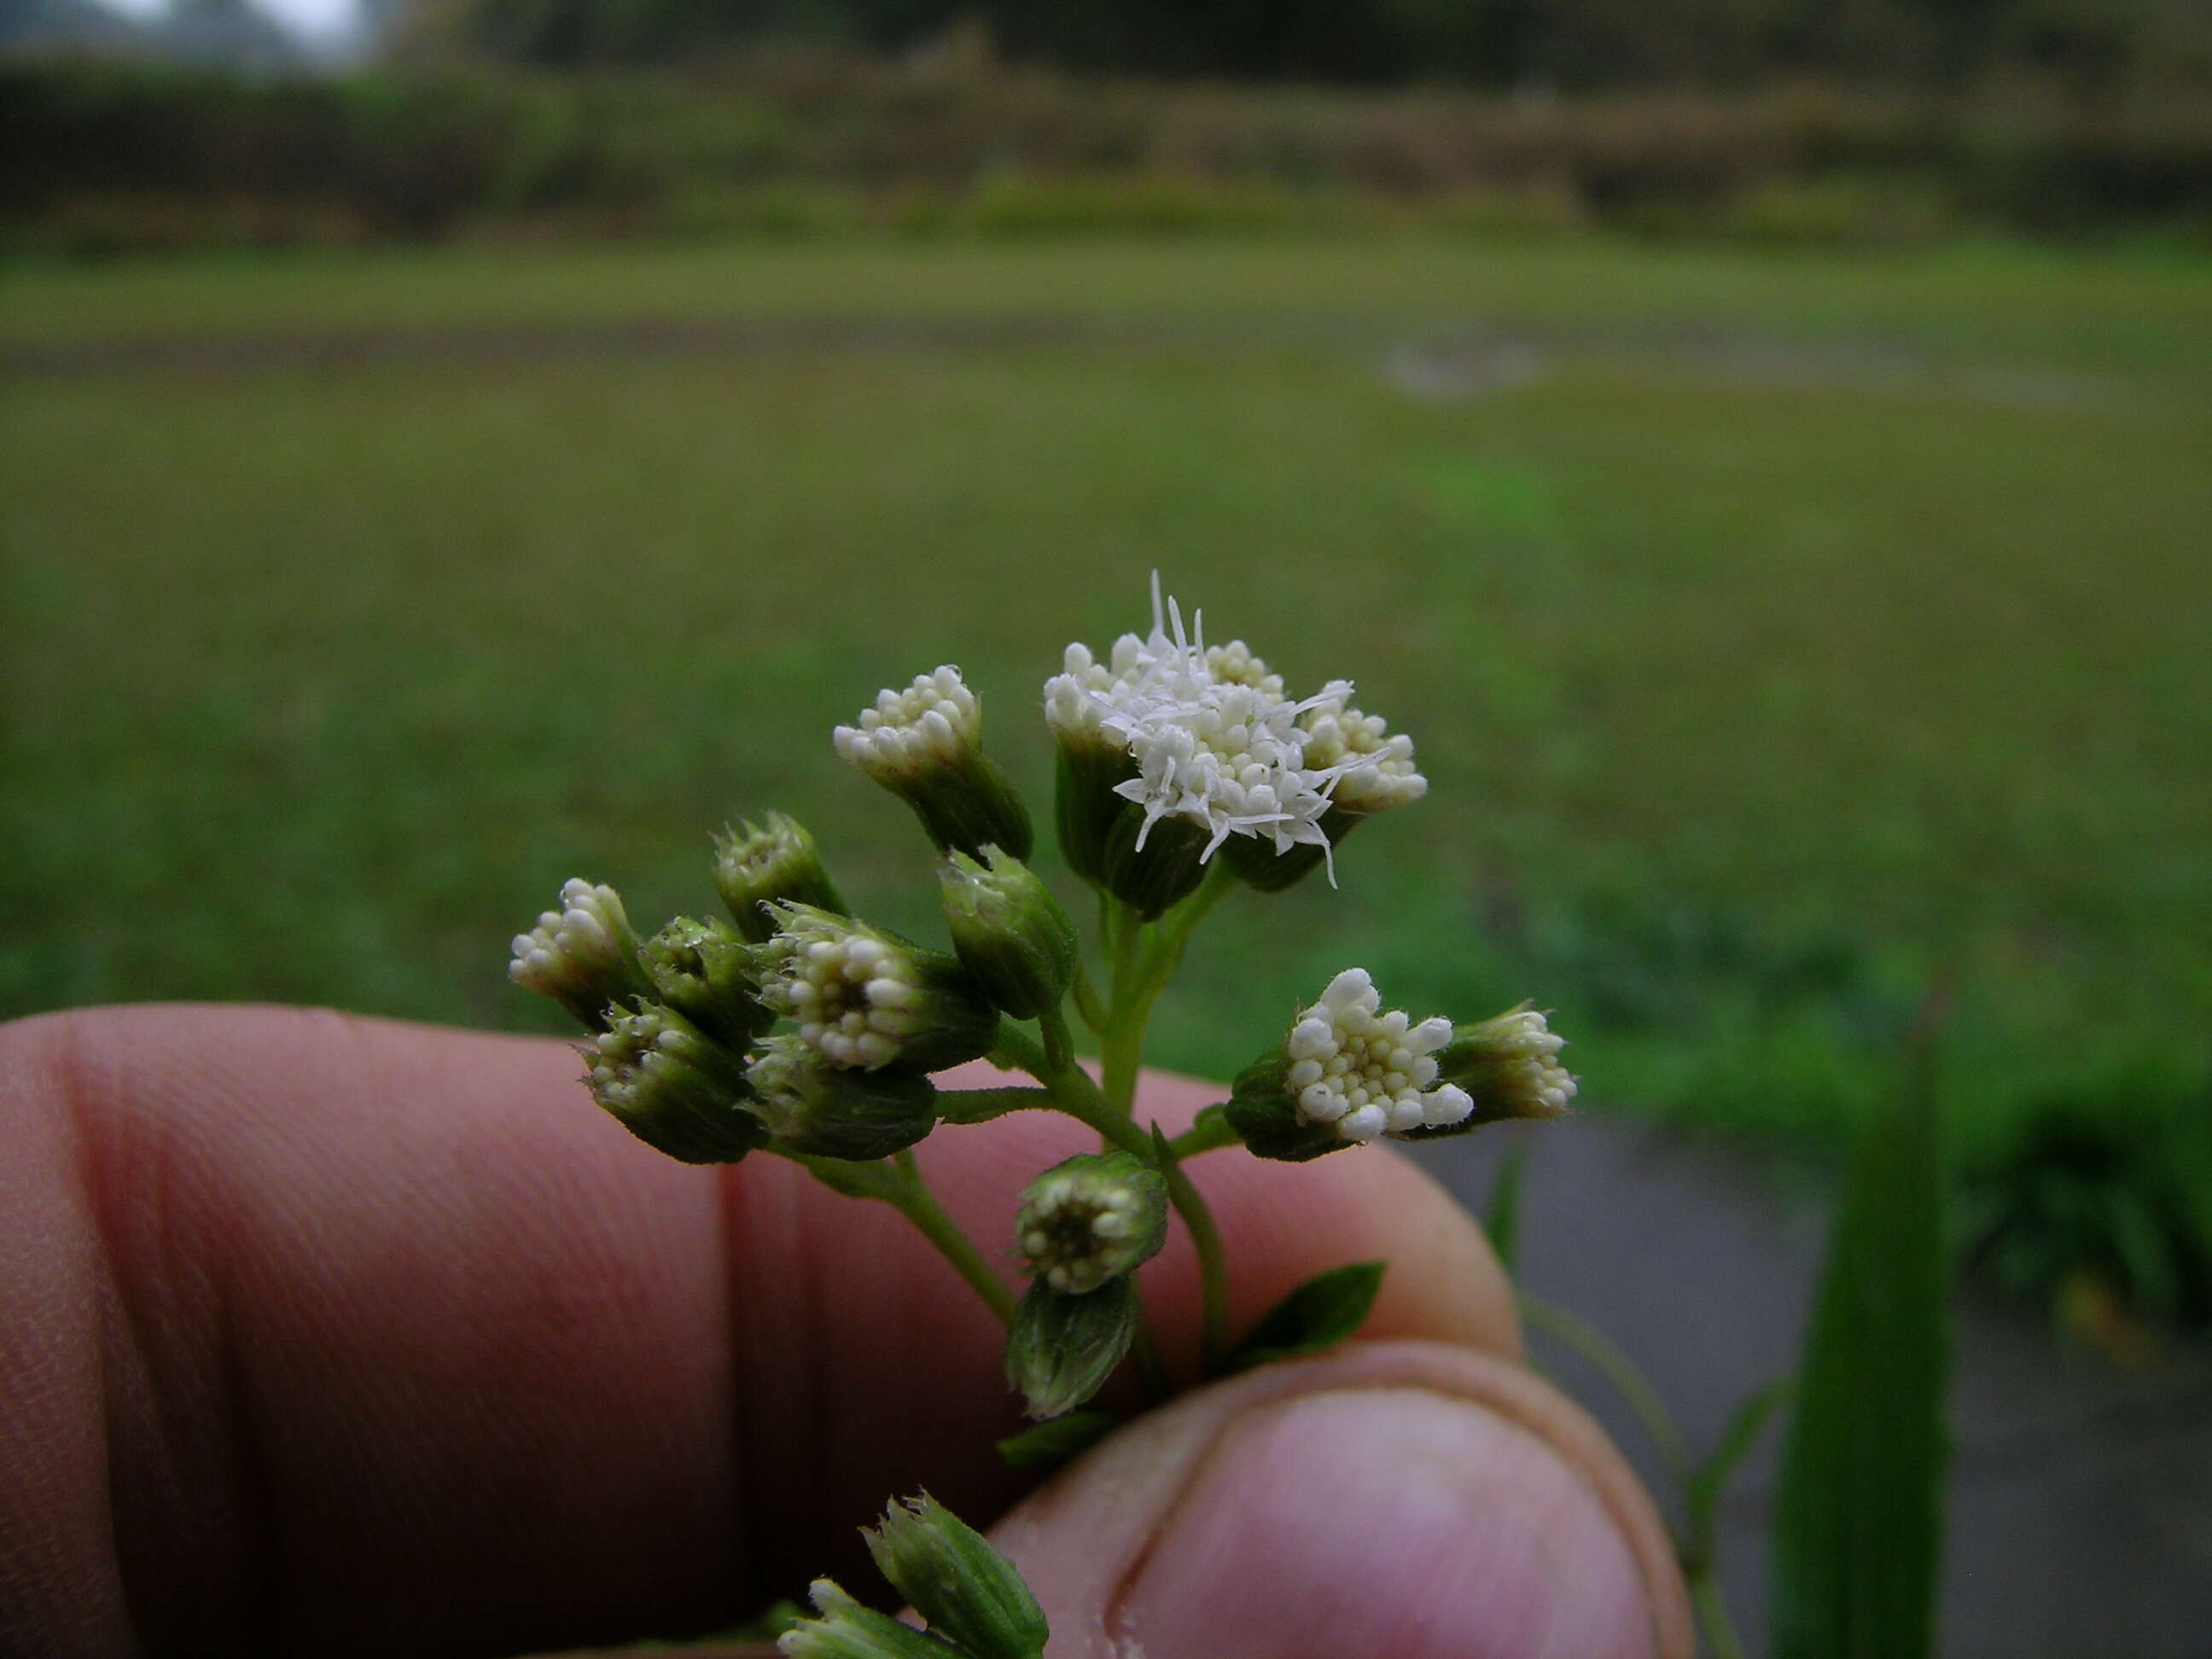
<point>1790,627</point>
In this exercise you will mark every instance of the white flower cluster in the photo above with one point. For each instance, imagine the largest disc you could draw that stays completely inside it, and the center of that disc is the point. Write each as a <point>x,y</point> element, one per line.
<point>1366,1073</point>
<point>933,721</point>
<point>589,935</point>
<point>640,1054</point>
<point>1375,767</point>
<point>1218,742</point>
<point>852,994</point>
<point>1523,1048</point>
<point>1074,1232</point>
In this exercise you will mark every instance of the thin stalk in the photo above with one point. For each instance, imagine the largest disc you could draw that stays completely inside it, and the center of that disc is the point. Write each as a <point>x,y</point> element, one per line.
<point>1212,1262</point>
<point>1640,1397</point>
<point>1712,1613</point>
<point>919,1205</point>
<point>1210,1133</point>
<point>1059,1042</point>
<point>1144,1354</point>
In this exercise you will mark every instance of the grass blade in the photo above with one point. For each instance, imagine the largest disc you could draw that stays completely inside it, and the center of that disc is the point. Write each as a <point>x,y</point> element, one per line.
<point>1858,1527</point>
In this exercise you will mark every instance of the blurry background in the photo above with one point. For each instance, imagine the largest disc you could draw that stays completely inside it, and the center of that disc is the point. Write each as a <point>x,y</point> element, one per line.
<point>1760,449</point>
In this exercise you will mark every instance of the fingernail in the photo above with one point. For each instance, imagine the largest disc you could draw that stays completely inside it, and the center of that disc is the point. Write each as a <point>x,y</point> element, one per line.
<point>1385,1520</point>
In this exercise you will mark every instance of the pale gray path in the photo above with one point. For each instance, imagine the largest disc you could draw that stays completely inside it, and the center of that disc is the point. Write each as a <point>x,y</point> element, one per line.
<point>2079,1496</point>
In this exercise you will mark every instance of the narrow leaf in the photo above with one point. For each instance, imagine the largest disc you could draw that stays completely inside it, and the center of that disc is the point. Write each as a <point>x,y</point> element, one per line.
<point>1857,1525</point>
<point>1701,1492</point>
<point>1044,1447</point>
<point>1314,1318</point>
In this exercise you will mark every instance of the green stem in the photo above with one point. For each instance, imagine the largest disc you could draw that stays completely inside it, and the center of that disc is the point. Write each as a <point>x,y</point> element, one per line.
<point>1144,1354</point>
<point>1210,1133</point>
<point>1641,1398</point>
<point>1712,1613</point>
<point>1059,1043</point>
<point>915,1200</point>
<point>1213,1261</point>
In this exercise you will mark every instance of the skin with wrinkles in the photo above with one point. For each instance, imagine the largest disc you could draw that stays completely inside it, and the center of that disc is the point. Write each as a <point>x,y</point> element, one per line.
<point>318,1332</point>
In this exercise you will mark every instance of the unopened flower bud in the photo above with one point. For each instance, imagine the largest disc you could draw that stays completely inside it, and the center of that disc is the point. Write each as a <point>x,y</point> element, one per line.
<point>1094,1218</point>
<point>758,866</point>
<point>842,1628</point>
<point>584,954</point>
<point>673,1086</point>
<point>1346,1074</point>
<point>865,999</point>
<point>702,970</point>
<point>971,1595</point>
<point>1510,1067</point>
<point>834,1111</point>
<point>1010,932</point>
<point>1060,1348</point>
<point>924,745</point>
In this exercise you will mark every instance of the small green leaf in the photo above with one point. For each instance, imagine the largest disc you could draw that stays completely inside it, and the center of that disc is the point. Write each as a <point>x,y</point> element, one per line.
<point>1061,1349</point>
<point>1044,1447</point>
<point>1857,1525</point>
<point>971,1595</point>
<point>1314,1318</point>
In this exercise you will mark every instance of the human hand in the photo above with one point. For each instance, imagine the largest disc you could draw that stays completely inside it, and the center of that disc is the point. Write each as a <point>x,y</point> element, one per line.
<point>332,1334</point>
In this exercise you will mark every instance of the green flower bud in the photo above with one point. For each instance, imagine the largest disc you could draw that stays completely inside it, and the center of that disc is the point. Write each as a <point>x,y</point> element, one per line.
<point>584,954</point>
<point>835,1111</point>
<point>1509,1067</point>
<point>776,862</point>
<point>1093,1218</point>
<point>673,1086</point>
<point>1061,1349</point>
<point>1346,1074</point>
<point>866,998</point>
<point>702,970</point>
<point>925,746</point>
<point>1085,808</point>
<point>842,1628</point>
<point>970,1594</point>
<point>1153,865</point>
<point>1010,932</point>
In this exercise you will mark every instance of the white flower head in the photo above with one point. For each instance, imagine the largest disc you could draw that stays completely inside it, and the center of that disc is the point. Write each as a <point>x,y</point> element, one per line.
<point>1374,767</point>
<point>854,995</point>
<point>587,931</point>
<point>1511,1063</point>
<point>1369,1074</point>
<point>935,722</point>
<point>1214,739</point>
<point>1089,1219</point>
<point>583,955</point>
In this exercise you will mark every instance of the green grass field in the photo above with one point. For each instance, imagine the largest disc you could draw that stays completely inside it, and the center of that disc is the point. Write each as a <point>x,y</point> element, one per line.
<point>1776,631</point>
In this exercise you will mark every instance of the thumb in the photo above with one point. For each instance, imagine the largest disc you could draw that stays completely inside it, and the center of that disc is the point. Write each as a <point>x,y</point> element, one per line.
<point>1403,1497</point>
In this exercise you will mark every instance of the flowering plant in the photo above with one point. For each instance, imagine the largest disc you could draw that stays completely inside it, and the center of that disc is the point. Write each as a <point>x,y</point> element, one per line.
<point>1185,772</point>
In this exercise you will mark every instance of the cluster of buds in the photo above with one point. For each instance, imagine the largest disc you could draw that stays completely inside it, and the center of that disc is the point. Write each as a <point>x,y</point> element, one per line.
<point>673,1086</point>
<point>774,861</point>
<point>864,999</point>
<point>976,1604</point>
<point>924,745</point>
<point>1173,751</point>
<point>1348,1073</point>
<point>1084,1226</point>
<point>584,954</point>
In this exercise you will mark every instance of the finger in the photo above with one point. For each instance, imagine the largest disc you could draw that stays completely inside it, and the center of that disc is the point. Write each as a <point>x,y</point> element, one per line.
<point>1407,1498</point>
<point>380,1335</point>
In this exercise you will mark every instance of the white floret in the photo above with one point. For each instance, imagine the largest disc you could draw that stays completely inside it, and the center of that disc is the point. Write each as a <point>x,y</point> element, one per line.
<point>1369,1073</point>
<point>935,720</point>
<point>580,938</point>
<point>851,994</point>
<point>1375,767</point>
